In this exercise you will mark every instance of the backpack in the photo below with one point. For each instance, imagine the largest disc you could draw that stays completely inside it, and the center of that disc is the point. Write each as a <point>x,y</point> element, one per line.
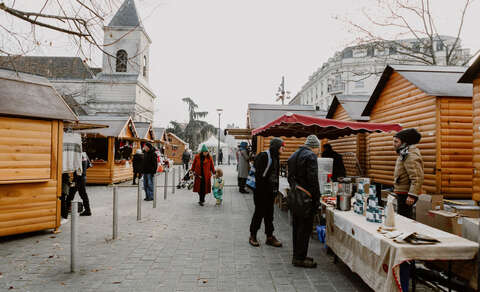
<point>251,174</point>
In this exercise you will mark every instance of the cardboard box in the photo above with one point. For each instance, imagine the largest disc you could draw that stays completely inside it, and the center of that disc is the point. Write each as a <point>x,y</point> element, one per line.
<point>447,221</point>
<point>426,203</point>
<point>470,228</point>
<point>467,211</point>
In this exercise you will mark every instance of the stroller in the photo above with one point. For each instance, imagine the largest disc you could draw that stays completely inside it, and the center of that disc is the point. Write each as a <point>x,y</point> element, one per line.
<point>187,181</point>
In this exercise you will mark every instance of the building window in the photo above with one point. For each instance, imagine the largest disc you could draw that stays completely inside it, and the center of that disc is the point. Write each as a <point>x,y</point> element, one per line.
<point>359,84</point>
<point>370,51</point>
<point>416,47</point>
<point>440,46</point>
<point>144,66</point>
<point>122,58</point>
<point>392,50</point>
<point>348,53</point>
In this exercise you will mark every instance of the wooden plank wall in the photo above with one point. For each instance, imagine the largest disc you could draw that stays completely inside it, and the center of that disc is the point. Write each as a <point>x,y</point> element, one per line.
<point>456,140</point>
<point>122,172</point>
<point>25,147</point>
<point>100,173</point>
<point>402,102</point>
<point>476,138</point>
<point>291,145</point>
<point>350,144</point>
<point>27,207</point>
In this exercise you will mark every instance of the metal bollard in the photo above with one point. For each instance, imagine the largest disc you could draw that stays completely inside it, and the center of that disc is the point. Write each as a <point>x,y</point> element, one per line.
<point>139,200</point>
<point>115,213</point>
<point>155,190</point>
<point>173,181</point>
<point>165,185</point>
<point>74,237</point>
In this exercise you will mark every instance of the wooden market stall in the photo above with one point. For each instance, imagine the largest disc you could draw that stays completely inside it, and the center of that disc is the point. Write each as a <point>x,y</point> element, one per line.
<point>353,147</point>
<point>175,148</point>
<point>110,149</point>
<point>161,139</point>
<point>429,99</point>
<point>472,75</point>
<point>31,134</point>
<point>145,131</point>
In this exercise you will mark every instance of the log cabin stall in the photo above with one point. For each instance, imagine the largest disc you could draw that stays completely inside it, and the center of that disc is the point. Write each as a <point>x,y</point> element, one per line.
<point>161,139</point>
<point>110,149</point>
<point>145,134</point>
<point>175,148</point>
<point>472,76</point>
<point>259,115</point>
<point>31,134</point>
<point>353,148</point>
<point>429,99</point>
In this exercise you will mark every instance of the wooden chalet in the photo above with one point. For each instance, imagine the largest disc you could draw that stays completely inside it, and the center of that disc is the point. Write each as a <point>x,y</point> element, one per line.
<point>161,139</point>
<point>472,75</point>
<point>31,135</point>
<point>175,148</point>
<point>429,99</point>
<point>110,149</point>
<point>145,131</point>
<point>353,148</point>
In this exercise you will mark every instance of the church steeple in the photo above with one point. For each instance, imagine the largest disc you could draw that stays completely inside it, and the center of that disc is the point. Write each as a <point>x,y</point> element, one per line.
<point>126,15</point>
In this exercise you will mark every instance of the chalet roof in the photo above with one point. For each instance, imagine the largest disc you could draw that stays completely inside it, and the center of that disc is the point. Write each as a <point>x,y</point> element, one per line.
<point>49,67</point>
<point>142,129</point>
<point>115,125</point>
<point>353,105</point>
<point>178,138</point>
<point>433,80</point>
<point>158,133</point>
<point>31,96</point>
<point>261,114</point>
<point>471,73</point>
<point>126,15</point>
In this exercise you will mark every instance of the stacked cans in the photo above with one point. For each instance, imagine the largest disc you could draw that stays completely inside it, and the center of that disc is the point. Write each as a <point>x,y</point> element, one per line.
<point>358,204</point>
<point>374,212</point>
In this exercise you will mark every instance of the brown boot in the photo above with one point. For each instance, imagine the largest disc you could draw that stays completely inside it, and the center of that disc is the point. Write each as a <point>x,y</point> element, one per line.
<point>253,241</point>
<point>273,241</point>
<point>304,263</point>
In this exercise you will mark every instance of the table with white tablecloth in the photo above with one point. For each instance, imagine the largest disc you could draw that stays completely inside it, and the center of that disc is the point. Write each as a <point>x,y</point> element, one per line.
<point>377,259</point>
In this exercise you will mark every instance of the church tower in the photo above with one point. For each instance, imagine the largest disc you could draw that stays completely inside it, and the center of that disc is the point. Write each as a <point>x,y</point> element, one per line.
<point>127,44</point>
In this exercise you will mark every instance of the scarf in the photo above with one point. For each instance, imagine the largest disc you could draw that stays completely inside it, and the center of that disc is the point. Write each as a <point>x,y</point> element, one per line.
<point>403,151</point>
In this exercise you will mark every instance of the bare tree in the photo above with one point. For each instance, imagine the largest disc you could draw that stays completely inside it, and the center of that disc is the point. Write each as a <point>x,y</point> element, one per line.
<point>408,28</point>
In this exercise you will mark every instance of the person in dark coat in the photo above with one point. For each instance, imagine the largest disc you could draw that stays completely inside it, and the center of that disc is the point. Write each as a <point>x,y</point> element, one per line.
<point>266,189</point>
<point>220,157</point>
<point>202,168</point>
<point>338,167</point>
<point>303,172</point>
<point>149,169</point>
<point>186,159</point>
<point>137,162</point>
<point>80,181</point>
<point>243,167</point>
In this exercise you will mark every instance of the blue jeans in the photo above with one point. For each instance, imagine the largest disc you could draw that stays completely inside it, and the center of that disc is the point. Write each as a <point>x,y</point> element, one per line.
<point>148,185</point>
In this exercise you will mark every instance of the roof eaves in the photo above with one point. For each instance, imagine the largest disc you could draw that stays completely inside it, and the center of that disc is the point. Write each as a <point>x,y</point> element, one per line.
<point>378,89</point>
<point>471,73</point>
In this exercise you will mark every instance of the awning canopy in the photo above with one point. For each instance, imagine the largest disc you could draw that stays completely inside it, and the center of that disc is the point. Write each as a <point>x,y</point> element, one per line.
<point>293,125</point>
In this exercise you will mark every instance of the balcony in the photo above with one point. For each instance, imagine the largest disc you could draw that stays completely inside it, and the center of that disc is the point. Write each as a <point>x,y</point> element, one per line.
<point>336,88</point>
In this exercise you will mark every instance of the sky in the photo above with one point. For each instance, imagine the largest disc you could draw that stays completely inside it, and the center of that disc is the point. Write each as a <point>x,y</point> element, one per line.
<point>228,53</point>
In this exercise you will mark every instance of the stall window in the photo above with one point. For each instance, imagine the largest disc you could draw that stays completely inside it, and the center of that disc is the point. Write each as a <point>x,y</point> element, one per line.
<point>96,148</point>
<point>123,149</point>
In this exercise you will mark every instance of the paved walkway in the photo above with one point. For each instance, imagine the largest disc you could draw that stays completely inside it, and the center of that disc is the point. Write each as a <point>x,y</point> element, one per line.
<point>179,246</point>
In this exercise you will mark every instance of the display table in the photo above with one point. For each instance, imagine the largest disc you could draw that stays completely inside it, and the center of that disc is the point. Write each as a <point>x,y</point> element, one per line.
<point>376,259</point>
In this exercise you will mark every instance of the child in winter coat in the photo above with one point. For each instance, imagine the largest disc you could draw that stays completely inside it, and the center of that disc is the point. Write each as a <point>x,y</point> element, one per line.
<point>218,185</point>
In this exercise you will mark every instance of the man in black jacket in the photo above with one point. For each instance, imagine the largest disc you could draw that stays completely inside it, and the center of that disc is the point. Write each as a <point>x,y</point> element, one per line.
<point>338,166</point>
<point>137,162</point>
<point>150,164</point>
<point>186,160</point>
<point>303,172</point>
<point>267,169</point>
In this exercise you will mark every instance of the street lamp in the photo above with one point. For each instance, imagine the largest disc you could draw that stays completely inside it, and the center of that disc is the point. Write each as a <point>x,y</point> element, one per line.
<point>219,111</point>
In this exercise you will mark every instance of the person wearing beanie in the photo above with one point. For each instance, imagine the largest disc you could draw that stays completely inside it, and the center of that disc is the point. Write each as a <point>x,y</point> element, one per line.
<point>243,167</point>
<point>338,166</point>
<point>408,175</point>
<point>303,172</point>
<point>202,168</point>
<point>407,182</point>
<point>137,163</point>
<point>150,164</point>
<point>267,170</point>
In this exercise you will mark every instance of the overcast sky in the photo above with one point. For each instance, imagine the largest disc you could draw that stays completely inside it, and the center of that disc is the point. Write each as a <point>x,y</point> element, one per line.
<point>228,53</point>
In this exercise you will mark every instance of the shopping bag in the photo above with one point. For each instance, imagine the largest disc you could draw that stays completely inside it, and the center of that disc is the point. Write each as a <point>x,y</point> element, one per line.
<point>251,178</point>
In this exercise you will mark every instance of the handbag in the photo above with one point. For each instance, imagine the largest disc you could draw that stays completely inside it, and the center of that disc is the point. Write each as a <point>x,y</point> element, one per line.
<point>251,174</point>
<point>299,199</point>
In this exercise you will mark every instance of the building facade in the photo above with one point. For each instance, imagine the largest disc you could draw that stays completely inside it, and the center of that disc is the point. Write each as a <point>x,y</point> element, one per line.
<point>120,88</point>
<point>356,70</point>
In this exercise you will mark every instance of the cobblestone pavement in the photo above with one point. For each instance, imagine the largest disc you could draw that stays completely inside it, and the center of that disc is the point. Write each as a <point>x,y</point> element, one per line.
<point>179,246</point>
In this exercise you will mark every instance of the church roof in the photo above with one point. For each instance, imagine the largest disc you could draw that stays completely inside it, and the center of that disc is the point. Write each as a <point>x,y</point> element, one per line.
<point>49,67</point>
<point>127,15</point>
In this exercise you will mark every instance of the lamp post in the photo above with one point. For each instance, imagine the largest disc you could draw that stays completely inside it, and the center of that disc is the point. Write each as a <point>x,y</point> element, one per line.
<point>219,111</point>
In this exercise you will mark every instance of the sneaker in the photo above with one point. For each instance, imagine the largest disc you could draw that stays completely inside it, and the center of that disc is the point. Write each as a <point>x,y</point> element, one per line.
<point>243,191</point>
<point>304,263</point>
<point>200,203</point>
<point>273,241</point>
<point>218,202</point>
<point>253,241</point>
<point>147,199</point>
<point>85,213</point>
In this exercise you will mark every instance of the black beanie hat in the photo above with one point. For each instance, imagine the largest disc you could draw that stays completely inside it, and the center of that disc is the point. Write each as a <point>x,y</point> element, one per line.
<point>275,144</point>
<point>409,136</point>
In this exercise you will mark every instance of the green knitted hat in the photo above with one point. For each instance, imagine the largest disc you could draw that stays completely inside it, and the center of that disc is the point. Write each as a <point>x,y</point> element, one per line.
<point>204,148</point>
